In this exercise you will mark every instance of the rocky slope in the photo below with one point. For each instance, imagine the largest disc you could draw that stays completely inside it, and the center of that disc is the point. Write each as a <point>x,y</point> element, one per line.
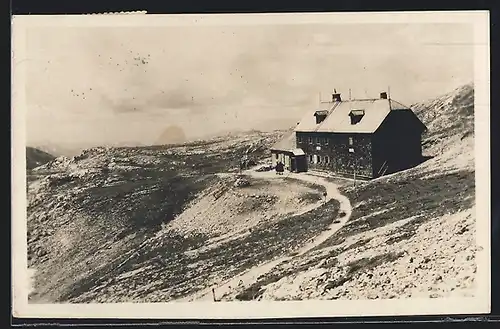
<point>450,123</point>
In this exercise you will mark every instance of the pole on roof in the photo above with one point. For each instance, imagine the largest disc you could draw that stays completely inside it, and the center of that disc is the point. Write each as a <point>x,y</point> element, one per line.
<point>350,100</point>
<point>389,96</point>
<point>353,153</point>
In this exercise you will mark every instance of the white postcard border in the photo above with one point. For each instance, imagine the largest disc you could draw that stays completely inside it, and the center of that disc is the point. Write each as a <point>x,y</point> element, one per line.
<point>253,310</point>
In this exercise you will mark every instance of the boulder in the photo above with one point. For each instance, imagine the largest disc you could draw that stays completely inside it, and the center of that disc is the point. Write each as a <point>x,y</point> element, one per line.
<point>241,182</point>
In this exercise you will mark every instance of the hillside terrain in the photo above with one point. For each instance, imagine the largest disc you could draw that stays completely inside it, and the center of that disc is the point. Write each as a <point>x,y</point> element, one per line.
<point>166,223</point>
<point>410,233</point>
<point>36,157</point>
<point>84,212</point>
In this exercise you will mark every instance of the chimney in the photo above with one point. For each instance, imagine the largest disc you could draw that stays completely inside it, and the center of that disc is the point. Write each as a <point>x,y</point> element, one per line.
<point>383,95</point>
<point>336,98</point>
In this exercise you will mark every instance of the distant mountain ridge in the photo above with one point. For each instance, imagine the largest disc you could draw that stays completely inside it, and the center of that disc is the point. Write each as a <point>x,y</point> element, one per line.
<point>57,149</point>
<point>36,157</point>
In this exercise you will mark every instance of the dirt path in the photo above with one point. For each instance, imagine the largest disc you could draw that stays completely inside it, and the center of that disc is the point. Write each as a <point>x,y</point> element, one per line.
<point>250,276</point>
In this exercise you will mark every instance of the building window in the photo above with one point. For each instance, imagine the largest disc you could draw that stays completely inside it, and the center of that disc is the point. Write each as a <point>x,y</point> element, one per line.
<point>326,141</point>
<point>299,139</point>
<point>310,158</point>
<point>318,140</point>
<point>327,159</point>
<point>319,158</point>
<point>351,141</point>
<point>310,140</point>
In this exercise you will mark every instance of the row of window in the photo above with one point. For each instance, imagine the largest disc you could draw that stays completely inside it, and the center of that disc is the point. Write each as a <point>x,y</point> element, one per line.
<point>319,159</point>
<point>320,141</point>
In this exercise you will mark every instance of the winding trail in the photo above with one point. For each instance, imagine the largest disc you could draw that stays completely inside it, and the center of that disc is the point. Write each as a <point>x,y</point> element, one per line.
<point>251,275</point>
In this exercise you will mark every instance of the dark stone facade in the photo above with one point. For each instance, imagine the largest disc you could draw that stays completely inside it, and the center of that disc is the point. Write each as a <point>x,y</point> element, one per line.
<point>344,154</point>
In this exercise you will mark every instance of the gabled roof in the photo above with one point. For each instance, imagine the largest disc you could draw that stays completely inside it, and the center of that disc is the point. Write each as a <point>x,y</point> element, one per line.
<point>339,121</point>
<point>298,152</point>
<point>287,143</point>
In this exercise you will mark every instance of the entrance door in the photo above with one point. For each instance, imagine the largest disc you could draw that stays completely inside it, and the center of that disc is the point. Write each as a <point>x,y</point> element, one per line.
<point>293,164</point>
<point>287,162</point>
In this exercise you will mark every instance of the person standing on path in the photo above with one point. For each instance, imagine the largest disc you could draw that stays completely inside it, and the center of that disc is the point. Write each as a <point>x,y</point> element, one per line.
<point>279,168</point>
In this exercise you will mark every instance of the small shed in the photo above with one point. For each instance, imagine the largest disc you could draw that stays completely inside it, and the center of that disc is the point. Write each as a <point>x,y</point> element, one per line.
<point>286,151</point>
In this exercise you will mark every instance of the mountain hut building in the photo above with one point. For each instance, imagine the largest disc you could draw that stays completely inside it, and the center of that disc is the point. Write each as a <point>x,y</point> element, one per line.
<point>364,138</point>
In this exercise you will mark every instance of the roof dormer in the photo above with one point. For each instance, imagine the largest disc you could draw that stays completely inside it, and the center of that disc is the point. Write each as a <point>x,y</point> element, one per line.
<point>356,116</point>
<point>320,116</point>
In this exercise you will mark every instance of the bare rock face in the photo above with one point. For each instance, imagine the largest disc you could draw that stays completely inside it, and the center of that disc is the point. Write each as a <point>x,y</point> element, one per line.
<point>172,135</point>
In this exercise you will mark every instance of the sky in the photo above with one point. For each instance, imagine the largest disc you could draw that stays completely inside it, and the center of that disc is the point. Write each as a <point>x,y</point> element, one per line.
<point>107,85</point>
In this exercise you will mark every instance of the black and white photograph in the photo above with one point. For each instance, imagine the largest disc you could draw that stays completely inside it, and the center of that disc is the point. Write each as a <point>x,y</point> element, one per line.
<point>188,166</point>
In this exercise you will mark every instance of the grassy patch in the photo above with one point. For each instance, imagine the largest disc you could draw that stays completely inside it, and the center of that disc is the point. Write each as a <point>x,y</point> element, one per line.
<point>311,197</point>
<point>406,231</point>
<point>426,198</point>
<point>142,199</point>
